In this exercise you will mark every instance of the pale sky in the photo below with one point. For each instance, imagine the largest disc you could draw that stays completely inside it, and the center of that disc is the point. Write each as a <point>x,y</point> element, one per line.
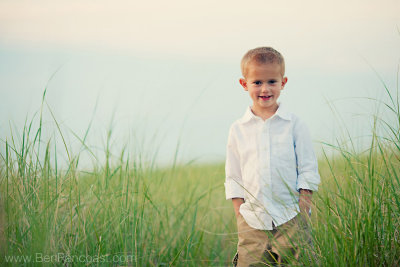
<point>180,59</point>
<point>221,29</point>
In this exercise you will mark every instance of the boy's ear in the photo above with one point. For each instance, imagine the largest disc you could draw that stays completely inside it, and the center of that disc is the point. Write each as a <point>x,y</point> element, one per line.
<point>243,83</point>
<point>284,81</point>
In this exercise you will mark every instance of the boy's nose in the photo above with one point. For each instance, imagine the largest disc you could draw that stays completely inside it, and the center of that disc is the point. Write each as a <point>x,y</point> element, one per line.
<point>264,88</point>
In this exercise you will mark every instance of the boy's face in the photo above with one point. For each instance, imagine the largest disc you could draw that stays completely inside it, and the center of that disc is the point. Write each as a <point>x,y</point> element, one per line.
<point>264,83</point>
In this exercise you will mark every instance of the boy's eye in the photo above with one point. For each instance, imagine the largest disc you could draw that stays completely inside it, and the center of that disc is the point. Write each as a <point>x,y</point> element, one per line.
<point>272,81</point>
<point>257,82</point>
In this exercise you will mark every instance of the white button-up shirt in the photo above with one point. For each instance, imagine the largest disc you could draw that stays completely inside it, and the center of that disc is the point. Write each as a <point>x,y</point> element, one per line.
<point>267,162</point>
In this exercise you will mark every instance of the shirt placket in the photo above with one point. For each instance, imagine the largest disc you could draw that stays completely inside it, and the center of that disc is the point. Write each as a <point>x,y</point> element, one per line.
<point>265,164</point>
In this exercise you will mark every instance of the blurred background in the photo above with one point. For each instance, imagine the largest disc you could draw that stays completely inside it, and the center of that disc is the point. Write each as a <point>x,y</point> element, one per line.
<point>162,76</point>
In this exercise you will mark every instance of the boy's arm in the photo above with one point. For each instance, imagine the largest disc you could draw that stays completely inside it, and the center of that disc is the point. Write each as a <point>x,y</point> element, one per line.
<point>236,204</point>
<point>308,177</point>
<point>307,165</point>
<point>305,200</point>
<point>233,180</point>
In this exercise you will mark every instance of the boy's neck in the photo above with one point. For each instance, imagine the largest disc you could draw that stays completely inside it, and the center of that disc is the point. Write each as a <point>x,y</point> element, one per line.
<point>264,114</point>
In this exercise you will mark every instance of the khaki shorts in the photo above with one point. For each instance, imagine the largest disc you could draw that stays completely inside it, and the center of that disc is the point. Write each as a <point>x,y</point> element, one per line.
<point>270,247</point>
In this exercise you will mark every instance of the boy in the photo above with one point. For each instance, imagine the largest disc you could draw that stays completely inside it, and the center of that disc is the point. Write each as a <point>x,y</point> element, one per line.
<point>271,169</point>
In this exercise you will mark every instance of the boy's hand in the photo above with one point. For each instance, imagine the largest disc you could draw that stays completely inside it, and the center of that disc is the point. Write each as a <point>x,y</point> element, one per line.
<point>236,204</point>
<point>305,201</point>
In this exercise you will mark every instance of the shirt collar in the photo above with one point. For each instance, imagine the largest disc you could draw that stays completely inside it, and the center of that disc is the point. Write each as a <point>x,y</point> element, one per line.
<point>280,112</point>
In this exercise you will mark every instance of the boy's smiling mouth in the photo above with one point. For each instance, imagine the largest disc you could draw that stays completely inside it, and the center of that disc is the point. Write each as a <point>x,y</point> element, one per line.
<point>265,97</point>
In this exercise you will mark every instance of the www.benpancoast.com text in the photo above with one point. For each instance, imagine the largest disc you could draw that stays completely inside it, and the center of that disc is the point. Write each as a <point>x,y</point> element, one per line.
<point>67,258</point>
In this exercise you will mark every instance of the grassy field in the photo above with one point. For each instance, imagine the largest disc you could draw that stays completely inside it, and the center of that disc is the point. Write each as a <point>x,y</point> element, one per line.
<point>128,213</point>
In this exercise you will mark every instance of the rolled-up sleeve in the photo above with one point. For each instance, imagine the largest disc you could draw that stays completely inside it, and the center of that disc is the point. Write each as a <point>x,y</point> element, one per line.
<point>233,175</point>
<point>307,164</point>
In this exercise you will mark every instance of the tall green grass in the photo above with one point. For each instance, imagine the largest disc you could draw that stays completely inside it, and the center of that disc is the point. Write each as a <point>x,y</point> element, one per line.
<point>123,212</point>
<point>357,210</point>
<point>128,212</point>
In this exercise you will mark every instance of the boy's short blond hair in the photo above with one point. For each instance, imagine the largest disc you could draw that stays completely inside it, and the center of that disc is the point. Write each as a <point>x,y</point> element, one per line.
<point>262,55</point>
